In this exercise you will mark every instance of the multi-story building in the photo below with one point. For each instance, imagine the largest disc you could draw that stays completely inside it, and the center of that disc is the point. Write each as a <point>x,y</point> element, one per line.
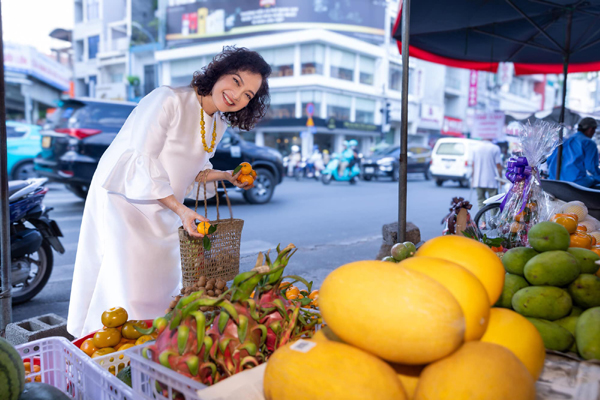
<point>114,43</point>
<point>335,59</point>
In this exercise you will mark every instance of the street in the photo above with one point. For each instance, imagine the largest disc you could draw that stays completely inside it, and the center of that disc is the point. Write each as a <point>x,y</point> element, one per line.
<point>331,225</point>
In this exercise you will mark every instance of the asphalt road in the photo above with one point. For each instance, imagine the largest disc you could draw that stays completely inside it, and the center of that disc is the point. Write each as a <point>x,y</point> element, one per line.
<point>331,225</point>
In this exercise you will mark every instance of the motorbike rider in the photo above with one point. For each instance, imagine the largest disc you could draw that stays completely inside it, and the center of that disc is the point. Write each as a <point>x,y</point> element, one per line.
<point>316,160</point>
<point>294,159</point>
<point>353,160</point>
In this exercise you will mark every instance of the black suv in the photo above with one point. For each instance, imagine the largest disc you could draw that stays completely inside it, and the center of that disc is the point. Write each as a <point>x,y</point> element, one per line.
<point>384,163</point>
<point>80,130</point>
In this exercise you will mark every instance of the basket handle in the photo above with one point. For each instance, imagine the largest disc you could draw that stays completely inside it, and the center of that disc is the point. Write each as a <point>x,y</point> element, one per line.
<point>203,179</point>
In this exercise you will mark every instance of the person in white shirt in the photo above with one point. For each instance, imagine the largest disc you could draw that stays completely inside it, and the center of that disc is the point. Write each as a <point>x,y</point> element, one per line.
<point>487,164</point>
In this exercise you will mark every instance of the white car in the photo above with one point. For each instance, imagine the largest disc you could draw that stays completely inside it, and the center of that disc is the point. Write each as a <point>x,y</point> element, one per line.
<point>451,160</point>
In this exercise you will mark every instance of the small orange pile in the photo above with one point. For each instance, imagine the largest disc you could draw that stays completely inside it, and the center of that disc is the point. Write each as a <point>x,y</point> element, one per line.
<point>36,368</point>
<point>247,173</point>
<point>294,293</point>
<point>579,236</point>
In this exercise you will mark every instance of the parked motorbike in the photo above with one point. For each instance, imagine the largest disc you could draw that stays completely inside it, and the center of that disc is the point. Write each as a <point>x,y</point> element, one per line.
<point>331,172</point>
<point>33,235</point>
<point>559,190</point>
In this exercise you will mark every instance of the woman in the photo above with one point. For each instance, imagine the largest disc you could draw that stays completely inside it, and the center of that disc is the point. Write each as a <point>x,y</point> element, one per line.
<point>128,246</point>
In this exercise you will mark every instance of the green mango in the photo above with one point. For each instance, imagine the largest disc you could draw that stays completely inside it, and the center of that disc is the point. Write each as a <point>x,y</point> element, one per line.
<point>569,323</point>
<point>585,291</point>
<point>586,258</point>
<point>552,268</point>
<point>512,284</point>
<point>555,337</point>
<point>588,334</point>
<point>545,302</point>
<point>548,236</point>
<point>514,260</point>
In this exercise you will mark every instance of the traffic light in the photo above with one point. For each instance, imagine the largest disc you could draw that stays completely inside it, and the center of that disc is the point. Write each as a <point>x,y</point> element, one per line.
<point>386,110</point>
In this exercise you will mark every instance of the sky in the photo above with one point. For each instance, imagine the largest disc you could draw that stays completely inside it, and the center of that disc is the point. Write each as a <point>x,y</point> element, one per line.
<point>29,22</point>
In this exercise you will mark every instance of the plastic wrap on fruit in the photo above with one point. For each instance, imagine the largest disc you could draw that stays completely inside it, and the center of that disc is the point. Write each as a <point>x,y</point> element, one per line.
<point>526,203</point>
<point>459,221</point>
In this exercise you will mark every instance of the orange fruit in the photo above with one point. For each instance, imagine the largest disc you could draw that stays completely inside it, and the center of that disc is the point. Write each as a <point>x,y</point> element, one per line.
<point>582,228</point>
<point>293,290</point>
<point>203,228</point>
<point>27,366</point>
<point>246,178</point>
<point>581,239</point>
<point>284,285</point>
<point>246,168</point>
<point>253,174</point>
<point>291,296</point>
<point>88,347</point>
<point>596,249</point>
<point>314,294</point>
<point>569,221</point>
<point>516,227</point>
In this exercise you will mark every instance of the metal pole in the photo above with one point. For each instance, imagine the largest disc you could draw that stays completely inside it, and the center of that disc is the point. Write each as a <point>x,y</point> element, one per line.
<point>402,186</point>
<point>5,290</point>
<point>561,119</point>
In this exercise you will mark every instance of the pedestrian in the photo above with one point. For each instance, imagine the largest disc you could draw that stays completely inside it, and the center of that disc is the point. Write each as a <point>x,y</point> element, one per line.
<point>128,253</point>
<point>579,157</point>
<point>487,165</point>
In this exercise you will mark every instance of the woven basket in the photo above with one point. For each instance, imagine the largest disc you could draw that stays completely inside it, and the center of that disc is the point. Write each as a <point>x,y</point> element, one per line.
<point>223,258</point>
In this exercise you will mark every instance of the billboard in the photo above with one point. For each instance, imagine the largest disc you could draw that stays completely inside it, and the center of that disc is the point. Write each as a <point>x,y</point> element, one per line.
<point>27,60</point>
<point>218,19</point>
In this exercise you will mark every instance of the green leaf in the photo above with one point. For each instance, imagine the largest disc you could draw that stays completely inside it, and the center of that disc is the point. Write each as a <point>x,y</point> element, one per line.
<point>237,169</point>
<point>305,301</point>
<point>212,229</point>
<point>206,243</point>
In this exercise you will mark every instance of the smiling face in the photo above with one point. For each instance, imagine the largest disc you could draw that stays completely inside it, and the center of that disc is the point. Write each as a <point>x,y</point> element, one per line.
<point>232,92</point>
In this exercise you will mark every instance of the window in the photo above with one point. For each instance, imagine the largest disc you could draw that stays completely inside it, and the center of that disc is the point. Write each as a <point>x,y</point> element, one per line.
<point>182,71</point>
<point>338,106</point>
<point>93,42</point>
<point>365,111</point>
<point>103,116</point>
<point>342,64</point>
<point>79,50</point>
<point>312,58</point>
<point>311,97</point>
<point>367,70</point>
<point>281,60</point>
<point>116,78</point>
<point>451,149</point>
<point>521,87</point>
<point>395,77</point>
<point>283,105</point>
<point>16,131</point>
<point>93,9</point>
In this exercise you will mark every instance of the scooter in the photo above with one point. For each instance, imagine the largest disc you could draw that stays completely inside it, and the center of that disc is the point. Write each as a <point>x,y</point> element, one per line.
<point>33,235</point>
<point>331,172</point>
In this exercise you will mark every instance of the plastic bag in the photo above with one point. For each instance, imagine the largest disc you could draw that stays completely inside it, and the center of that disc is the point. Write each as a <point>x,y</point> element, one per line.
<point>526,203</point>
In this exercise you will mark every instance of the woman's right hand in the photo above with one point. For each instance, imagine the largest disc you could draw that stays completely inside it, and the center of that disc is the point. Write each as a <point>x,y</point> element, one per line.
<point>188,218</point>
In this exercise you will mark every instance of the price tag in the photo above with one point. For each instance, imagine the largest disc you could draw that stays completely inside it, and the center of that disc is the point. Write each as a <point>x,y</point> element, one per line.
<point>303,346</point>
<point>236,151</point>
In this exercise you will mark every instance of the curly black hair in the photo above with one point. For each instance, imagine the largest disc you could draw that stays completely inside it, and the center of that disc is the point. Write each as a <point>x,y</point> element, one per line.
<point>233,59</point>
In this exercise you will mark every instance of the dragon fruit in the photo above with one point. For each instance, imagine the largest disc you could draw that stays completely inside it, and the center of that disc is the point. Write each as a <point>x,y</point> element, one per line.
<point>241,334</point>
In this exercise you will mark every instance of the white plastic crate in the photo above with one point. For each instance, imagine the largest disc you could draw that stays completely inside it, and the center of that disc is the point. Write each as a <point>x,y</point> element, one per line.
<point>67,368</point>
<point>145,374</point>
<point>112,362</point>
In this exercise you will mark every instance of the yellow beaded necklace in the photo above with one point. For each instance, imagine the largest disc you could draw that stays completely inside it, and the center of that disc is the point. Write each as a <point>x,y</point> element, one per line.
<point>203,133</point>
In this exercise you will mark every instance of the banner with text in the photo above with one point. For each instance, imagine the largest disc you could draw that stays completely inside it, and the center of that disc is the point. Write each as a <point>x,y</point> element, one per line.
<point>488,125</point>
<point>214,19</point>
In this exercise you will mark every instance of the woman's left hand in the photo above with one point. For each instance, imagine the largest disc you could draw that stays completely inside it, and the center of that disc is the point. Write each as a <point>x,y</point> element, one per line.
<point>233,180</point>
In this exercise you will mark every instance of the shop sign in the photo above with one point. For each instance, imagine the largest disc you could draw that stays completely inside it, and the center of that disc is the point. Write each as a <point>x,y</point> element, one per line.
<point>452,126</point>
<point>432,114</point>
<point>27,60</point>
<point>488,125</point>
<point>331,123</point>
<point>473,88</point>
<point>210,19</point>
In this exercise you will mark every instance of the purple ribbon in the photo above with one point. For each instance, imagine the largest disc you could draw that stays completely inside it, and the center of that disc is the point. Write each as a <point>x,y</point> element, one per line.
<point>517,170</point>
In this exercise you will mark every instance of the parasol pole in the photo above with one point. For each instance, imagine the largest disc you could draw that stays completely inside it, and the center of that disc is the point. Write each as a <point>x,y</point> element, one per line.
<point>561,119</point>
<point>402,186</point>
<point>5,288</point>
